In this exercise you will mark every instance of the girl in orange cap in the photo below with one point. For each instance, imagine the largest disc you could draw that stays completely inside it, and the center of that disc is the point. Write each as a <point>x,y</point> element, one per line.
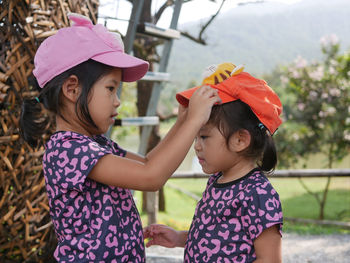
<point>239,218</point>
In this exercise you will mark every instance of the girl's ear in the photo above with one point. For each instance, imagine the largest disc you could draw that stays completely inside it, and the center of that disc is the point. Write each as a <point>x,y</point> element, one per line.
<point>71,88</point>
<point>240,140</point>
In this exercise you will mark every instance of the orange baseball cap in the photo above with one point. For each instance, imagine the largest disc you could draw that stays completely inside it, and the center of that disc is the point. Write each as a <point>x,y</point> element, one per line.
<point>263,101</point>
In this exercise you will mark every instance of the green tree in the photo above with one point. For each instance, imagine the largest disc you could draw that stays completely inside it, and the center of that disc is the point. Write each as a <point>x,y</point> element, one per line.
<point>318,110</point>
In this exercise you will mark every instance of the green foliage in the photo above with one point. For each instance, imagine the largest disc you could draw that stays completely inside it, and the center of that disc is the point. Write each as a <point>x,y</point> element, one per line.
<point>127,108</point>
<point>317,110</point>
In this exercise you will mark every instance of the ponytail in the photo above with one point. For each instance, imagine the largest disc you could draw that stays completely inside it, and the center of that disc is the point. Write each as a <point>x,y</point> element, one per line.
<point>269,156</point>
<point>33,121</point>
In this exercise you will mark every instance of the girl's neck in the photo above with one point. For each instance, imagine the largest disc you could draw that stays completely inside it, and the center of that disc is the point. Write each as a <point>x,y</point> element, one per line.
<point>73,126</point>
<point>238,170</point>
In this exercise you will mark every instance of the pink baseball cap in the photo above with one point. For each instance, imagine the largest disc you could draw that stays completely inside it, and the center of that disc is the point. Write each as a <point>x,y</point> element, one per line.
<point>82,41</point>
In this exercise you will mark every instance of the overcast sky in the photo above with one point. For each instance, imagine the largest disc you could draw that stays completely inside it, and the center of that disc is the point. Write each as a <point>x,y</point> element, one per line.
<point>191,11</point>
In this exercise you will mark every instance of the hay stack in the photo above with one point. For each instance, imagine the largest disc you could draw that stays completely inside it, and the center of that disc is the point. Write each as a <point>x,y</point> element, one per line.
<point>26,234</point>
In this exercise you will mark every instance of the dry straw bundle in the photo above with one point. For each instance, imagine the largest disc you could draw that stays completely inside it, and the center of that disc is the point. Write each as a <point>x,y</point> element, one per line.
<point>26,234</point>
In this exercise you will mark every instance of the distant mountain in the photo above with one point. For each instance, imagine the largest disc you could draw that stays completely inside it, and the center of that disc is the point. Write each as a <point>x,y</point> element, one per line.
<point>261,36</point>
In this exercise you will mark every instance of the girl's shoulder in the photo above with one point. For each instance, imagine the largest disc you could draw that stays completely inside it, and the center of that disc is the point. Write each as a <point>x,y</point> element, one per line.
<point>258,183</point>
<point>64,136</point>
<point>67,141</point>
<point>71,140</point>
<point>257,175</point>
<point>110,144</point>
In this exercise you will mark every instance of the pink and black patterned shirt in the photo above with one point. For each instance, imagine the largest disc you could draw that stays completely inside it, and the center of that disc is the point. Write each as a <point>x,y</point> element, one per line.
<point>93,222</point>
<point>230,216</point>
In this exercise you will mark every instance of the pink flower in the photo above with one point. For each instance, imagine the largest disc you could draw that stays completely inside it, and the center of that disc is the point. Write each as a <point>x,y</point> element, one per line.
<point>317,74</point>
<point>301,106</point>
<point>334,92</point>
<point>300,62</point>
<point>329,40</point>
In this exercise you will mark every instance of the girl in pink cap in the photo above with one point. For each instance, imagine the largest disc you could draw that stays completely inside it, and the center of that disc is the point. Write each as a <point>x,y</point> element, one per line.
<point>239,218</point>
<point>87,175</point>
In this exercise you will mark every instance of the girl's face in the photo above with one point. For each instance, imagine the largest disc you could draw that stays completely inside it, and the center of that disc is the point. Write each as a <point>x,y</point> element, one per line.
<point>212,151</point>
<point>104,101</point>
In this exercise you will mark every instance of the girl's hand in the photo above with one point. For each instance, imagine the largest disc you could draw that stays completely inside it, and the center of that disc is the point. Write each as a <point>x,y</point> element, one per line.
<point>201,103</point>
<point>163,236</point>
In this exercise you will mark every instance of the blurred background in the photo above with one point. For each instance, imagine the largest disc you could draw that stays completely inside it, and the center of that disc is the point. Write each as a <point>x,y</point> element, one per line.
<point>300,47</point>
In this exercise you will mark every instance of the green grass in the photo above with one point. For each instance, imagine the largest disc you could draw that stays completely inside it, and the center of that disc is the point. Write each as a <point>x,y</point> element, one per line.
<point>312,229</point>
<point>296,202</point>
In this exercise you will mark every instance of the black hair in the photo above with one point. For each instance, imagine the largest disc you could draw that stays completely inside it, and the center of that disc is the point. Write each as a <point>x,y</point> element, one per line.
<point>237,115</point>
<point>34,120</point>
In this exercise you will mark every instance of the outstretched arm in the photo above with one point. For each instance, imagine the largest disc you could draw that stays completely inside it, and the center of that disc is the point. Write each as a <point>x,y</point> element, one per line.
<point>181,117</point>
<point>161,164</point>
<point>182,112</point>
<point>164,236</point>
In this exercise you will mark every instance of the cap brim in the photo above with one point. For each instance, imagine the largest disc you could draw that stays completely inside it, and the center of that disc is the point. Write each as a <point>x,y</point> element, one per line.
<point>133,68</point>
<point>183,97</point>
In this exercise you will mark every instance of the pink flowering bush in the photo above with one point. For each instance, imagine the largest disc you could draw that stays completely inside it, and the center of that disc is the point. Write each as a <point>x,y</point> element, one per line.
<point>316,111</point>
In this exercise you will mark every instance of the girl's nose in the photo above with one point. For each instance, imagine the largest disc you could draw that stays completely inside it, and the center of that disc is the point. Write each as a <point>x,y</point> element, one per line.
<point>196,145</point>
<point>116,101</point>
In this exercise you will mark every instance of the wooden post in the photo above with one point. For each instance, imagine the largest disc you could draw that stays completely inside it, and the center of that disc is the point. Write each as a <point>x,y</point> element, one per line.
<point>152,207</point>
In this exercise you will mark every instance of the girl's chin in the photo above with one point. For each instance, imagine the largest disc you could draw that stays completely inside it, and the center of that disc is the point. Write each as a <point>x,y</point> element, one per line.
<point>209,171</point>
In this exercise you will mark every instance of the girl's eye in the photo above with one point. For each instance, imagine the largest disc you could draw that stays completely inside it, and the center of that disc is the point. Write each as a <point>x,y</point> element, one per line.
<point>111,88</point>
<point>203,137</point>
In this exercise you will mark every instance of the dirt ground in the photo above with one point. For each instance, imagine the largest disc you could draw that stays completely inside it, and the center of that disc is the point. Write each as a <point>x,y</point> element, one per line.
<point>296,249</point>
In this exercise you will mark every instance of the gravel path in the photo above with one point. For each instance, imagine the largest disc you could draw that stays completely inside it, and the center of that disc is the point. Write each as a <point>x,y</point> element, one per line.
<point>296,249</point>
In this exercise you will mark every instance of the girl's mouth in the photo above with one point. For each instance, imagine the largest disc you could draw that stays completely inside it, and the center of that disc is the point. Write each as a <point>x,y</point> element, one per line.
<point>113,116</point>
<point>201,160</point>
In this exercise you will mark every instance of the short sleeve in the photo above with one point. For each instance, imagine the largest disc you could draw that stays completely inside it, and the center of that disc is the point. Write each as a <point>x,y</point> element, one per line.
<point>71,162</point>
<point>116,149</point>
<point>261,210</point>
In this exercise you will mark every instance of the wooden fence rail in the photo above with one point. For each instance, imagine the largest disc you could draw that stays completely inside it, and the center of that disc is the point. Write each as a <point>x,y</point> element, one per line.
<point>278,173</point>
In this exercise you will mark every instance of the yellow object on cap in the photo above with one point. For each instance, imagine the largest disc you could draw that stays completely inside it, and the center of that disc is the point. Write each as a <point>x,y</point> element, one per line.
<point>215,74</point>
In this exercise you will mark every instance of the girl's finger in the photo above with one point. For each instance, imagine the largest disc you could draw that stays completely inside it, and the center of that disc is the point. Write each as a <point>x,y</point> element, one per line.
<point>202,89</point>
<point>210,92</point>
<point>149,243</point>
<point>216,100</point>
